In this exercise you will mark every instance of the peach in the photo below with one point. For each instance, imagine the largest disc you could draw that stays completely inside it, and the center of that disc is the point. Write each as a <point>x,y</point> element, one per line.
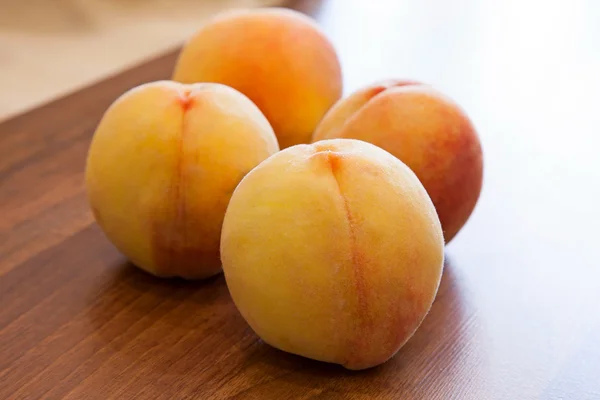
<point>279,58</point>
<point>333,251</point>
<point>427,131</point>
<point>161,168</point>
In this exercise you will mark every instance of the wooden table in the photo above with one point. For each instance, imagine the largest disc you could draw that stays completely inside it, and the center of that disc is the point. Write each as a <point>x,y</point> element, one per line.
<point>517,314</point>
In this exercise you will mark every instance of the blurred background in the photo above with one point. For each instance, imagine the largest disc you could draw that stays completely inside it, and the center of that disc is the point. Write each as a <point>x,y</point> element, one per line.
<point>49,47</point>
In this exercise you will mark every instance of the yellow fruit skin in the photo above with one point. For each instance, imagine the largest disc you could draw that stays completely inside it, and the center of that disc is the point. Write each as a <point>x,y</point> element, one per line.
<point>278,57</point>
<point>425,129</point>
<point>333,251</point>
<point>162,165</point>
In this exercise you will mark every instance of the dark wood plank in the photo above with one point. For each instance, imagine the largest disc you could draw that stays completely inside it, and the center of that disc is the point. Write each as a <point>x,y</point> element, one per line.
<point>516,316</point>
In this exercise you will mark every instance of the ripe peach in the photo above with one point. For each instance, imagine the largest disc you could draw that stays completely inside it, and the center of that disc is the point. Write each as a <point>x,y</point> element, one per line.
<point>333,251</point>
<point>427,131</point>
<point>161,168</point>
<point>279,58</point>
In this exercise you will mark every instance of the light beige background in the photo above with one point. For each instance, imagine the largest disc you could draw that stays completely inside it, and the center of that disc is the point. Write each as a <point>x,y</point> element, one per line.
<point>51,47</point>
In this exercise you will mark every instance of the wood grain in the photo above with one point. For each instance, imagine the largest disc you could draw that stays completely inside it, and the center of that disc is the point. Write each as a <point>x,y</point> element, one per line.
<point>516,316</point>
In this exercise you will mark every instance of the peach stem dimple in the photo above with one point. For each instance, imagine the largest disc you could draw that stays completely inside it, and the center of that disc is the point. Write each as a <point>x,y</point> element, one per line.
<point>186,100</point>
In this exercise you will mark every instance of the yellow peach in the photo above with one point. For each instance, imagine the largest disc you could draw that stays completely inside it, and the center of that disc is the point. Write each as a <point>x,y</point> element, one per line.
<point>333,251</point>
<point>279,58</point>
<point>162,165</point>
<point>427,131</point>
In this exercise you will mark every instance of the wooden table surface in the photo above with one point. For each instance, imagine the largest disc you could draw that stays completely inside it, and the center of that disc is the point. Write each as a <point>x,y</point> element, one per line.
<point>517,314</point>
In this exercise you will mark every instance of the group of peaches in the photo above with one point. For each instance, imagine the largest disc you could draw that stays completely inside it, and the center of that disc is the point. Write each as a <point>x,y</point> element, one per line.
<point>327,215</point>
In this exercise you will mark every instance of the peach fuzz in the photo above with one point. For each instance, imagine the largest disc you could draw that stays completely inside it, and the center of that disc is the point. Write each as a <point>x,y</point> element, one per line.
<point>278,57</point>
<point>333,251</point>
<point>427,131</point>
<point>161,167</point>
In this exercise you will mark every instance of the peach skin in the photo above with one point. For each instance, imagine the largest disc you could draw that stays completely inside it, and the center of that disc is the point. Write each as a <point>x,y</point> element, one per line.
<point>427,131</point>
<point>162,165</point>
<point>333,251</point>
<point>277,57</point>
